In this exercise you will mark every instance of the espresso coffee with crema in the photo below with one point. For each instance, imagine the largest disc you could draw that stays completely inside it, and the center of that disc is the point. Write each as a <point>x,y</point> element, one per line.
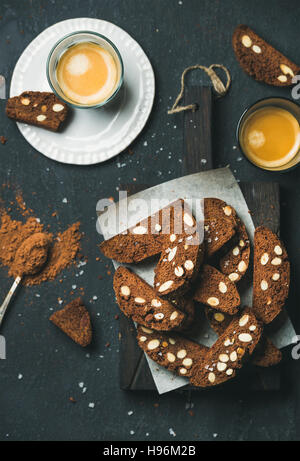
<point>87,73</point>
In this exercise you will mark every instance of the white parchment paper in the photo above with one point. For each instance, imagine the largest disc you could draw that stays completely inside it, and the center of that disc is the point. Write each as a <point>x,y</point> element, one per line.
<point>218,183</point>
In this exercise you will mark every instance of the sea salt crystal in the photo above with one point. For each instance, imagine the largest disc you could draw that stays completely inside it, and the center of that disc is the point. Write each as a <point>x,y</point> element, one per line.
<point>65,200</point>
<point>171,432</point>
<point>91,405</point>
<point>20,376</point>
<point>130,413</point>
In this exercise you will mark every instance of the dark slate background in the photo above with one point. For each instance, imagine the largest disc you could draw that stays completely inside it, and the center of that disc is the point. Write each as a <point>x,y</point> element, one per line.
<point>174,34</point>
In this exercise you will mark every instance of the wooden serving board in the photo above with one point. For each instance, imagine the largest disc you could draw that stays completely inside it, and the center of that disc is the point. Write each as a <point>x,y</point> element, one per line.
<point>263,202</point>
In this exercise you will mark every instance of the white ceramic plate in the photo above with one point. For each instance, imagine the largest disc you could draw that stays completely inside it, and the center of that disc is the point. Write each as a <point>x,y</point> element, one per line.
<point>94,135</point>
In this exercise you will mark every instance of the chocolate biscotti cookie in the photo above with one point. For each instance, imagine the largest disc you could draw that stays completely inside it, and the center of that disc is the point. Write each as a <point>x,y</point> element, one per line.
<point>266,354</point>
<point>260,60</point>
<point>37,108</point>
<point>271,275</point>
<point>216,291</point>
<point>229,352</point>
<point>147,238</point>
<point>74,320</point>
<point>140,302</point>
<point>171,351</point>
<point>236,261</point>
<point>219,224</point>
<point>181,258</point>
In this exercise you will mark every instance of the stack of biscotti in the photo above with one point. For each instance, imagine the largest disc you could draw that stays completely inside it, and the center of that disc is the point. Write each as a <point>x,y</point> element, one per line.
<point>164,313</point>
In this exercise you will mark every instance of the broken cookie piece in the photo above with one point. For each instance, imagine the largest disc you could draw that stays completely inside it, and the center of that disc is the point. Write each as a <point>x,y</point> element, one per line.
<point>260,60</point>
<point>139,301</point>
<point>170,350</point>
<point>216,291</point>
<point>74,320</point>
<point>41,109</point>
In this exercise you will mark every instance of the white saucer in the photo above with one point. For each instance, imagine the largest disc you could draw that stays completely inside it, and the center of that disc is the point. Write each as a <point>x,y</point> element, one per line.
<point>90,136</point>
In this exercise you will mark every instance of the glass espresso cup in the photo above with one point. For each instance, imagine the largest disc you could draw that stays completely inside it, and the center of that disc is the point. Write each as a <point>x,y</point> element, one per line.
<point>85,69</point>
<point>268,134</point>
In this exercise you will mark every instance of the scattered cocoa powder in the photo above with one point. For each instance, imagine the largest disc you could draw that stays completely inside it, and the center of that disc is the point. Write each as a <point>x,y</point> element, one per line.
<point>62,254</point>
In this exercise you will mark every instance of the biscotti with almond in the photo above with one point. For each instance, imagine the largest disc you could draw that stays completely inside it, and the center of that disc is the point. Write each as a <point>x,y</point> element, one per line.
<point>139,301</point>
<point>229,352</point>
<point>260,60</point>
<point>219,224</point>
<point>74,320</point>
<point>144,240</point>
<point>235,262</point>
<point>271,275</point>
<point>215,290</point>
<point>181,258</point>
<point>37,108</point>
<point>265,355</point>
<point>171,350</point>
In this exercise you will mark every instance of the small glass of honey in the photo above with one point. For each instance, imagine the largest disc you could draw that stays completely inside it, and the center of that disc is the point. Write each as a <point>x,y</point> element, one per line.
<point>268,133</point>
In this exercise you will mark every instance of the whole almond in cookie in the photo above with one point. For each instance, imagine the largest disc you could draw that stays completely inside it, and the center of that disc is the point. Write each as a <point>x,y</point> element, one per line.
<point>236,261</point>
<point>218,321</point>
<point>139,301</point>
<point>215,290</point>
<point>271,275</point>
<point>219,224</point>
<point>229,352</point>
<point>171,350</point>
<point>181,257</point>
<point>260,60</point>
<point>42,109</point>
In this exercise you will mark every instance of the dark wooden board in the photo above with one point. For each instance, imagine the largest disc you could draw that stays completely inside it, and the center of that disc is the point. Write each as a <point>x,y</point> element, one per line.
<point>263,203</point>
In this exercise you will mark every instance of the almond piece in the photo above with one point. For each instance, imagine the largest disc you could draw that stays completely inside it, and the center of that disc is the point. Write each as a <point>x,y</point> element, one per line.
<point>172,254</point>
<point>125,291</point>
<point>41,118</point>
<point>219,317</point>
<point>256,49</point>
<point>211,377</point>
<point>153,344</point>
<point>139,230</point>
<point>57,107</point>
<point>171,357</point>
<point>264,285</point>
<point>147,330</point>
<point>233,276</point>
<point>286,70</point>
<point>25,101</point>
<point>213,301</point>
<point>282,78</point>
<point>222,287</point>
<point>244,320</point>
<point>187,362</point>
<point>183,371</point>
<point>227,210</point>
<point>235,251</point>
<point>245,337</point>
<point>246,41</point>
<point>179,271</point>
<point>181,354</point>
<point>276,276</point>
<point>165,286</point>
<point>189,265</point>
<point>242,266</point>
<point>172,238</point>
<point>264,259</point>
<point>221,366</point>
<point>174,315</point>
<point>155,303</point>
<point>159,316</point>
<point>276,261</point>
<point>278,250</point>
<point>139,300</point>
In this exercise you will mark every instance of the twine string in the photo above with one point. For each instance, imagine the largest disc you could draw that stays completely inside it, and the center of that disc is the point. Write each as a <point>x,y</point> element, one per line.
<point>218,85</point>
